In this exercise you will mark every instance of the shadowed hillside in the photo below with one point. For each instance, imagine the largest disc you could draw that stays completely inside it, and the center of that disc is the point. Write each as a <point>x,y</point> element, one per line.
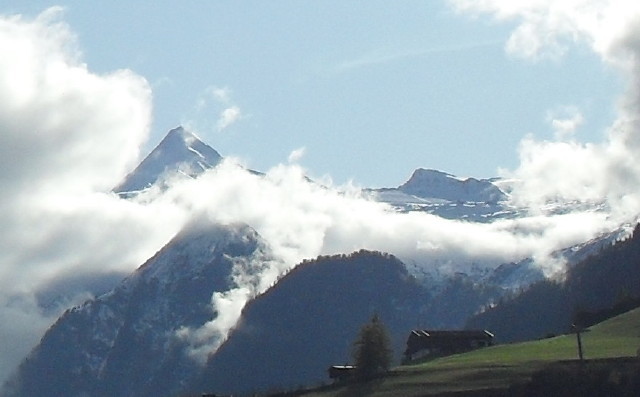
<point>549,307</point>
<point>290,335</point>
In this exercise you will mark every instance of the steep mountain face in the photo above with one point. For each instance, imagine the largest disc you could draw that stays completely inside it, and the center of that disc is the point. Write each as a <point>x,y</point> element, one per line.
<point>606,274</point>
<point>445,195</point>
<point>179,152</point>
<point>308,321</point>
<point>125,343</point>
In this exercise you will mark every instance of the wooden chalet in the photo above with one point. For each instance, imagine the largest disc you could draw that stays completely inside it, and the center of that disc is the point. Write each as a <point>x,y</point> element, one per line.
<point>341,372</point>
<point>435,343</point>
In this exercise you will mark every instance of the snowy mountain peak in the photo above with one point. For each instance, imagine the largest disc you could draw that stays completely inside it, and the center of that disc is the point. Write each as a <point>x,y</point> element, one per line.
<point>179,152</point>
<point>428,183</point>
<point>180,131</point>
<point>430,174</point>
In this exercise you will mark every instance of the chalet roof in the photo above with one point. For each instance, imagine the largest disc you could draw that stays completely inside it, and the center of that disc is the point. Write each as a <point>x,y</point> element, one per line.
<point>344,367</point>
<point>341,371</point>
<point>447,341</point>
<point>452,334</point>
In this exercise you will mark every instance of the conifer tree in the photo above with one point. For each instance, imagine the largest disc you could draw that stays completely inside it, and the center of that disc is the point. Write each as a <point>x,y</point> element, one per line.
<point>372,349</point>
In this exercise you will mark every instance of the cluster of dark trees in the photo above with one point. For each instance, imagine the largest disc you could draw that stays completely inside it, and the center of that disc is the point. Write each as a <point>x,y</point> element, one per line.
<point>586,318</point>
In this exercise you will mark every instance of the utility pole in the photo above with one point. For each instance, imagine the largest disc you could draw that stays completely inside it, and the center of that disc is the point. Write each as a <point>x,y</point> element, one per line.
<point>577,330</point>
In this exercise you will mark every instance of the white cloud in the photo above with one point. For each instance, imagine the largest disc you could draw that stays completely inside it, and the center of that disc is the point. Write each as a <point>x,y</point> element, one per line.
<point>565,121</point>
<point>213,100</point>
<point>296,155</point>
<point>66,137</point>
<point>548,28</point>
<point>206,339</point>
<point>228,117</point>
<point>223,95</point>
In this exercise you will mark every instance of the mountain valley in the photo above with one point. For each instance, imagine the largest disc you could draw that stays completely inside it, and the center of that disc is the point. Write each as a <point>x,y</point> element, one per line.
<point>218,299</point>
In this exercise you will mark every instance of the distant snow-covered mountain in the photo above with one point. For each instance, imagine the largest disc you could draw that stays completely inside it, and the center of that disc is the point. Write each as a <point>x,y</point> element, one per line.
<point>180,152</point>
<point>448,196</point>
<point>428,183</point>
<point>183,153</point>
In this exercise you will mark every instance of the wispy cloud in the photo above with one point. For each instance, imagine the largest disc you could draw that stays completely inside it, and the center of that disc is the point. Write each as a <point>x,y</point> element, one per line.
<point>296,155</point>
<point>214,110</point>
<point>228,117</point>
<point>565,121</point>
<point>390,55</point>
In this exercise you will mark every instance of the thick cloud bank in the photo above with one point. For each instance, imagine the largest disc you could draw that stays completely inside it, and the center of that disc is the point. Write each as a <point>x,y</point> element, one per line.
<point>68,135</point>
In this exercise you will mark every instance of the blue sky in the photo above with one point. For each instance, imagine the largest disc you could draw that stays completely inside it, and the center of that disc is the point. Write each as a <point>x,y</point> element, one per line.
<point>370,91</point>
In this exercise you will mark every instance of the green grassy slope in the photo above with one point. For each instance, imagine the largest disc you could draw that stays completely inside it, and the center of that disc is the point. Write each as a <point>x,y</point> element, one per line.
<point>500,366</point>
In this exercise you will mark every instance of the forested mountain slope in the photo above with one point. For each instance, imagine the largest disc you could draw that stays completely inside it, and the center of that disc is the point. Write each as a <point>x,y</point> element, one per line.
<point>549,306</point>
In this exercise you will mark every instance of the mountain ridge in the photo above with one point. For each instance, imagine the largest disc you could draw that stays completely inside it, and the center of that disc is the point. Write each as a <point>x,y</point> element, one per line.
<point>430,183</point>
